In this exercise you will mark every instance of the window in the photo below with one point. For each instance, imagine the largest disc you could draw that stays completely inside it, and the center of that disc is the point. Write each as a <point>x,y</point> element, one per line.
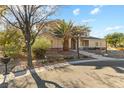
<point>85,43</point>
<point>97,44</point>
<point>51,43</point>
<point>100,44</point>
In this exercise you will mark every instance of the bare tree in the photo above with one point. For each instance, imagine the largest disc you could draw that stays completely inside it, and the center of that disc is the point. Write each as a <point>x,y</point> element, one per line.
<point>26,18</point>
<point>79,31</point>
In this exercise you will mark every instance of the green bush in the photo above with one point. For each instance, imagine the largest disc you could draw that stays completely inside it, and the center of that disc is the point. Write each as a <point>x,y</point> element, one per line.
<point>40,46</point>
<point>115,39</point>
<point>12,50</point>
<point>11,42</point>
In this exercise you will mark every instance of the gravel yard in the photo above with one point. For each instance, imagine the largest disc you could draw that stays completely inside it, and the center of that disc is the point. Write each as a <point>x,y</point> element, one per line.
<point>54,56</point>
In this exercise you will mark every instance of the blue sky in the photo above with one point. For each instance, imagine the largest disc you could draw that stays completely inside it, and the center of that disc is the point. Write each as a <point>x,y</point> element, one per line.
<point>102,19</point>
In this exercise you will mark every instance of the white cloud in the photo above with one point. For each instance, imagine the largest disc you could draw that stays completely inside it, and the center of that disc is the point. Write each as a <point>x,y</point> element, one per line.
<point>98,6</point>
<point>114,28</point>
<point>88,20</point>
<point>76,11</point>
<point>95,11</point>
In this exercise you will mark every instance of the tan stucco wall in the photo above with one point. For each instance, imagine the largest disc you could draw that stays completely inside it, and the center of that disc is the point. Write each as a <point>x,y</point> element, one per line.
<point>92,43</point>
<point>101,43</point>
<point>55,42</point>
<point>58,42</point>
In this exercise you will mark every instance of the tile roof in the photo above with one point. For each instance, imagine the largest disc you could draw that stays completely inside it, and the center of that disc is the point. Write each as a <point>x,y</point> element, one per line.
<point>91,37</point>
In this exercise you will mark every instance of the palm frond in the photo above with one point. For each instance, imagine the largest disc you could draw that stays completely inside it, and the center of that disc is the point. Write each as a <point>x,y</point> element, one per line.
<point>63,29</point>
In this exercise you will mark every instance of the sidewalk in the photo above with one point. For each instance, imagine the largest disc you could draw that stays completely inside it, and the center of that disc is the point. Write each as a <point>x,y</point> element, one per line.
<point>93,55</point>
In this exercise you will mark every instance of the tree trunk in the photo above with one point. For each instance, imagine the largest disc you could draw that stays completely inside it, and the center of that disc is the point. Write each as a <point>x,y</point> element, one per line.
<point>28,41</point>
<point>66,44</point>
<point>28,46</point>
<point>78,47</point>
<point>106,47</point>
<point>29,55</point>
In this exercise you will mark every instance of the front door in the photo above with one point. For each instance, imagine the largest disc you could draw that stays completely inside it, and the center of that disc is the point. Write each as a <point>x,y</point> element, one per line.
<point>73,43</point>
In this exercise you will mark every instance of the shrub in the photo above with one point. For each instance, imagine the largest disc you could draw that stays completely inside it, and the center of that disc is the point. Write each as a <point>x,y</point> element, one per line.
<point>69,57</point>
<point>40,46</point>
<point>12,50</point>
<point>11,42</point>
<point>115,39</point>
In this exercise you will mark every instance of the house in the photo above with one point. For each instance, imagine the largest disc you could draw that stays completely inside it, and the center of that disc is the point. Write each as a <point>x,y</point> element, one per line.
<point>85,41</point>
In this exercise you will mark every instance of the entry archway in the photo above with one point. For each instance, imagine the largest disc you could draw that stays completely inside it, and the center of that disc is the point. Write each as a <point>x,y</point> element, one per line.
<point>73,43</point>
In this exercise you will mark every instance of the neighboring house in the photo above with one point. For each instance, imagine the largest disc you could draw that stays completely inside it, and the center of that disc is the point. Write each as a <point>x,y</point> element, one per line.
<point>85,41</point>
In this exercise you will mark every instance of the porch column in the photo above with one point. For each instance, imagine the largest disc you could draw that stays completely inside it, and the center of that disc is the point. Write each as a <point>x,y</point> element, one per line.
<point>79,42</point>
<point>69,42</point>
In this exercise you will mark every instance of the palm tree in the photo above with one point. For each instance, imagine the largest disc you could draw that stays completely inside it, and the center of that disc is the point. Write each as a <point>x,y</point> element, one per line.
<point>78,31</point>
<point>63,30</point>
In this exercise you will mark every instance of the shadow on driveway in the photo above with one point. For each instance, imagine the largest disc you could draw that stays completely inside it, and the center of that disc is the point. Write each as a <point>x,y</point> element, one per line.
<point>116,65</point>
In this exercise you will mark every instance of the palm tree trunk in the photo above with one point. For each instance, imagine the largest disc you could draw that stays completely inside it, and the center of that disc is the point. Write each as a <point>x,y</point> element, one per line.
<point>66,44</point>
